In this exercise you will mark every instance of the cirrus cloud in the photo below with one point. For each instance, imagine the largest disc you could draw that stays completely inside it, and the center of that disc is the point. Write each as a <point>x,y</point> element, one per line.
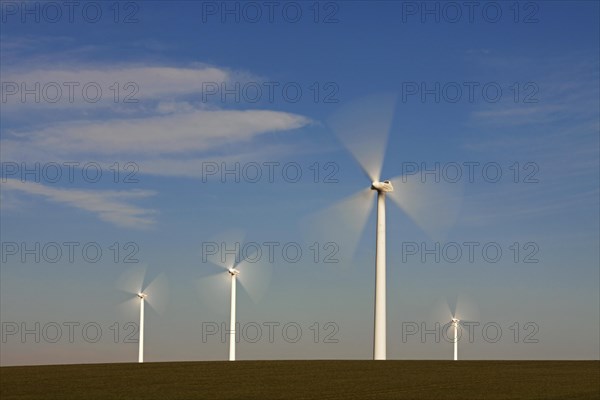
<point>109,205</point>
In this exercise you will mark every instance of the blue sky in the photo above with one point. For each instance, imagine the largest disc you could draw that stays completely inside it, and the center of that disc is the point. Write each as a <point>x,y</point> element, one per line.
<point>174,59</point>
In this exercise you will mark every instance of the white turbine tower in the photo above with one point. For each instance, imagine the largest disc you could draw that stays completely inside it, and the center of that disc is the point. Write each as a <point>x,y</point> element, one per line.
<point>363,127</point>
<point>142,296</point>
<point>380,340</point>
<point>232,320</point>
<point>154,294</point>
<point>252,272</point>
<point>455,322</point>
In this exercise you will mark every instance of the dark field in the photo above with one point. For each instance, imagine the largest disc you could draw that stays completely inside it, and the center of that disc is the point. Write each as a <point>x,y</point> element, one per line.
<point>307,380</point>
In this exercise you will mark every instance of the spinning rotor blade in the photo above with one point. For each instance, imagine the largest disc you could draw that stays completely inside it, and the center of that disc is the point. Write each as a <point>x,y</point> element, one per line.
<point>433,206</point>
<point>342,223</point>
<point>214,290</point>
<point>255,275</point>
<point>158,293</point>
<point>129,306</point>
<point>363,127</point>
<point>442,312</point>
<point>254,268</point>
<point>461,307</point>
<point>466,309</point>
<point>132,280</point>
<point>226,247</point>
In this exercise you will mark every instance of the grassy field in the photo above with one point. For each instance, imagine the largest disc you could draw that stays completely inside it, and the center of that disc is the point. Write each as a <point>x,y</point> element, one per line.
<point>307,380</point>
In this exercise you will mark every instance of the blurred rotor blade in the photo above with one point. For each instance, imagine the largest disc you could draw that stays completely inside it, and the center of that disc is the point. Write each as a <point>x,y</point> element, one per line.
<point>132,280</point>
<point>223,249</point>
<point>341,224</point>
<point>131,306</point>
<point>158,293</point>
<point>255,275</point>
<point>442,312</point>
<point>433,206</point>
<point>214,291</point>
<point>363,126</point>
<point>460,307</point>
<point>466,309</point>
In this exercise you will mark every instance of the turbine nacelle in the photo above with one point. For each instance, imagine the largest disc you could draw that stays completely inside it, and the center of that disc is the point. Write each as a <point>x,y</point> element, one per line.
<point>385,186</point>
<point>142,295</point>
<point>455,320</point>
<point>233,271</point>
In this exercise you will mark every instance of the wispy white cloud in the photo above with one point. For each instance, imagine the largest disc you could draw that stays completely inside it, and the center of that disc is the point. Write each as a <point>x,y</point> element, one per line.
<point>192,167</point>
<point>91,86</point>
<point>512,203</point>
<point>110,206</point>
<point>559,134</point>
<point>168,132</point>
<point>173,145</point>
<point>518,115</point>
<point>558,89</point>
<point>166,123</point>
<point>165,134</point>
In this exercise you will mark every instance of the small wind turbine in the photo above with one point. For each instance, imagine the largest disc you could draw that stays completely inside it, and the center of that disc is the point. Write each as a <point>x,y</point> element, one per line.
<point>462,310</point>
<point>254,276</point>
<point>363,127</point>
<point>154,294</point>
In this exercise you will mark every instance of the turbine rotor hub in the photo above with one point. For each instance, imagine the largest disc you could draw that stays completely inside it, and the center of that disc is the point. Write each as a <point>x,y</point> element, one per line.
<point>142,295</point>
<point>385,186</point>
<point>233,271</point>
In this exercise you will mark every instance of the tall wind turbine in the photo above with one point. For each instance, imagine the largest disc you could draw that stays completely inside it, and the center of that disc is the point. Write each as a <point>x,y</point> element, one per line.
<point>142,296</point>
<point>253,273</point>
<point>380,340</point>
<point>232,320</point>
<point>363,127</point>
<point>132,282</point>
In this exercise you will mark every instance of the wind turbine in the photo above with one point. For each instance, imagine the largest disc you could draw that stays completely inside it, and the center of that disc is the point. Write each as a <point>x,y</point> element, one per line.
<point>132,282</point>
<point>363,127</point>
<point>459,311</point>
<point>254,276</point>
